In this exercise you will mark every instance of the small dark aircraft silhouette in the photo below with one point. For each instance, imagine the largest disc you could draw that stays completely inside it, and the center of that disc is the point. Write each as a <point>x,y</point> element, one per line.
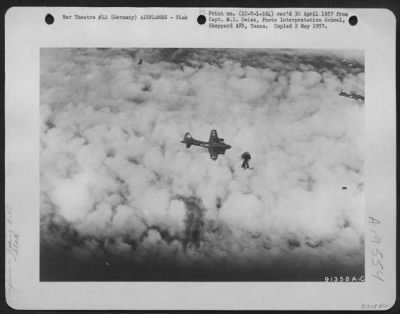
<point>352,95</point>
<point>216,145</point>
<point>348,63</point>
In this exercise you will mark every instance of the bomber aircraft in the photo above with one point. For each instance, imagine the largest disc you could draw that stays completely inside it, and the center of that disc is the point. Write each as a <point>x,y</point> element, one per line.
<point>352,95</point>
<point>215,144</point>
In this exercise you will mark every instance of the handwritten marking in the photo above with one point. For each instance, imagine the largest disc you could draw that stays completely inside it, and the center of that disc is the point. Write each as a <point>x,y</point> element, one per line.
<point>13,244</point>
<point>8,215</point>
<point>376,253</point>
<point>10,286</point>
<point>12,248</point>
<point>374,306</point>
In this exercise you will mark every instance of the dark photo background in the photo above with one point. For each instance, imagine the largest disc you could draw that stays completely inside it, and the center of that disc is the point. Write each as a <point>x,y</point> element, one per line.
<point>123,199</point>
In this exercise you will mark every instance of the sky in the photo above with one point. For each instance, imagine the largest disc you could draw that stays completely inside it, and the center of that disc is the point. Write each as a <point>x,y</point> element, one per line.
<point>123,199</point>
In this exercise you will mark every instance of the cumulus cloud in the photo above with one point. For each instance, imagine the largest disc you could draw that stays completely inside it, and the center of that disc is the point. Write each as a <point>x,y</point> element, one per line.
<point>115,178</point>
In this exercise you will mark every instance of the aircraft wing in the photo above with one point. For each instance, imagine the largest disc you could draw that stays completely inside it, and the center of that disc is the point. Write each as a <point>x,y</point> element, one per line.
<point>213,154</point>
<point>213,136</point>
<point>215,151</point>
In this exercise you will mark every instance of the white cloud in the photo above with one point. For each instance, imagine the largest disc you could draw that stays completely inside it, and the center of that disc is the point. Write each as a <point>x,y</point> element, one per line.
<point>113,167</point>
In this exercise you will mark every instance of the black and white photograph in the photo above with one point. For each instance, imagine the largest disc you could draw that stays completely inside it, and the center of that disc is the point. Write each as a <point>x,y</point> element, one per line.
<point>200,158</point>
<point>202,164</point>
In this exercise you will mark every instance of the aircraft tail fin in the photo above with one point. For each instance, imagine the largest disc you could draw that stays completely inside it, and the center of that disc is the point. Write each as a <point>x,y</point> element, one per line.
<point>187,136</point>
<point>187,139</point>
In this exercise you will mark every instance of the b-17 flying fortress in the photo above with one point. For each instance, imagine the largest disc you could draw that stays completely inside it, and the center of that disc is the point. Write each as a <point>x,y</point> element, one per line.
<point>216,145</point>
<point>352,95</point>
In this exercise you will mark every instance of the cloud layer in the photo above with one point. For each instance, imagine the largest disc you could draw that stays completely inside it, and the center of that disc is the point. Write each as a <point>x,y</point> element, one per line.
<point>117,182</point>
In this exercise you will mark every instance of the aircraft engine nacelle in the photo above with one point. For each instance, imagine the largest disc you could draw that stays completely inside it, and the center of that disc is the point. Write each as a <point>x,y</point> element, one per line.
<point>188,145</point>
